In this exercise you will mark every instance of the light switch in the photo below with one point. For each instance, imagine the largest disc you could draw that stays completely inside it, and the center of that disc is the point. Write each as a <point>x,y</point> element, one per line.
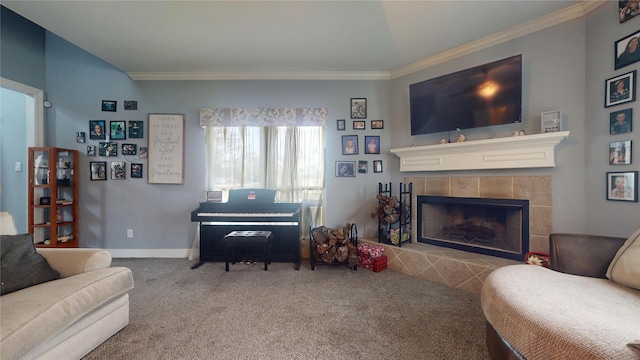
<point>18,166</point>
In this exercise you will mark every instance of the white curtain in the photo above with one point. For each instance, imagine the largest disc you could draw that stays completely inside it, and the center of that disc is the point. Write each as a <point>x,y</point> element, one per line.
<point>289,159</point>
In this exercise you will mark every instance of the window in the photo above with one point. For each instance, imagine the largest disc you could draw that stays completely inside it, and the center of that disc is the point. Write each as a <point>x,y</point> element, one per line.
<point>287,159</point>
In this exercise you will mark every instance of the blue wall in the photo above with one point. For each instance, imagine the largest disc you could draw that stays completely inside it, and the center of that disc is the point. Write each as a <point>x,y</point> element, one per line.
<point>22,49</point>
<point>13,138</point>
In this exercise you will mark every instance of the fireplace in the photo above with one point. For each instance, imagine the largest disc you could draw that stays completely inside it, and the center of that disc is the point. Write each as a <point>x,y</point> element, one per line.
<point>496,227</point>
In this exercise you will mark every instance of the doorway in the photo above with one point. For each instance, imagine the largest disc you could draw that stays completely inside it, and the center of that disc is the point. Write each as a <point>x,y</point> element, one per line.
<point>21,126</point>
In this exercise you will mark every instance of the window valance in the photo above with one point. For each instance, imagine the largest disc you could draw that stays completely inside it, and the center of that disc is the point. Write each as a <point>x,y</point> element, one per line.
<point>263,117</point>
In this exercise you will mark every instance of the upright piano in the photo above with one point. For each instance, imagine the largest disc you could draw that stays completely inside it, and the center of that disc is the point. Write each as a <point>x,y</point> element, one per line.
<point>218,219</point>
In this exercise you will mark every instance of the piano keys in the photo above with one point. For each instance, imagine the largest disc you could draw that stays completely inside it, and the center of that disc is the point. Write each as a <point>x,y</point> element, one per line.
<point>218,219</point>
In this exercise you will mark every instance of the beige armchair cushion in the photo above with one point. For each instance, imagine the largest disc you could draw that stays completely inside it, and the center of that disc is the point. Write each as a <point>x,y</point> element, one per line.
<point>625,266</point>
<point>7,224</point>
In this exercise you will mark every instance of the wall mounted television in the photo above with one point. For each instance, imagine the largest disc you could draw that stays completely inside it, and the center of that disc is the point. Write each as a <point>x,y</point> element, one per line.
<point>485,95</point>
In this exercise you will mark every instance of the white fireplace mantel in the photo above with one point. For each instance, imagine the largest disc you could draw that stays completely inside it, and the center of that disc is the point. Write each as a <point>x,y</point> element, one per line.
<point>528,151</point>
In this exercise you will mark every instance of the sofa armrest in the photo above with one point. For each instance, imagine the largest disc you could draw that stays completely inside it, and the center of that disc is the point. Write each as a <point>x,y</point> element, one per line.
<point>585,255</point>
<point>76,261</point>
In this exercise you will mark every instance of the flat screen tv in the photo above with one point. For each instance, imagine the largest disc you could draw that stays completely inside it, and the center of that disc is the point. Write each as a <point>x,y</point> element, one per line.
<point>485,95</point>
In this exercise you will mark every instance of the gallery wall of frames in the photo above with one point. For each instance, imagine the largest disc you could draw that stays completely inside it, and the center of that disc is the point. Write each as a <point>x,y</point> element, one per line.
<point>359,143</point>
<point>619,94</point>
<point>116,140</point>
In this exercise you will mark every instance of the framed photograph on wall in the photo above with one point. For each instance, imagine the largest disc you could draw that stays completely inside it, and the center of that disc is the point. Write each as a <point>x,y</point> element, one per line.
<point>96,130</point>
<point>118,170</point>
<point>377,124</point>
<point>108,148</point>
<point>372,144</point>
<point>118,130</point>
<point>358,108</point>
<point>377,166</point>
<point>136,129</point>
<point>621,121</point>
<point>341,124</point>
<point>91,150</point>
<point>98,170</point>
<point>622,186</point>
<point>109,105</point>
<point>80,137</point>
<point>620,152</point>
<point>143,152</point>
<point>628,9</point>
<point>345,168</point>
<point>136,171</point>
<point>130,105</point>
<point>363,166</point>
<point>350,145</point>
<point>359,125</point>
<point>626,50</point>
<point>129,149</point>
<point>620,89</point>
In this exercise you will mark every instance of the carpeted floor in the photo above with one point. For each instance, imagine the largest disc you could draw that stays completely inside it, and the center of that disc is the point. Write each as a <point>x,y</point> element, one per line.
<point>332,312</point>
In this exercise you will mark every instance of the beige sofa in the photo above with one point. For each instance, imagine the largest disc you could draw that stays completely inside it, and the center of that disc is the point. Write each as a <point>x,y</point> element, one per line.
<point>587,306</point>
<point>68,317</point>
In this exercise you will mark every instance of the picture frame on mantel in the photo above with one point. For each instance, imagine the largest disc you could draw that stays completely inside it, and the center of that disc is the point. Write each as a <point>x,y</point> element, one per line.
<point>165,164</point>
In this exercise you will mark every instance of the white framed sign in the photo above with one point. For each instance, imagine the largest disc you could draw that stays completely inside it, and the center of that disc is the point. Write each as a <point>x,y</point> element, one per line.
<point>166,149</point>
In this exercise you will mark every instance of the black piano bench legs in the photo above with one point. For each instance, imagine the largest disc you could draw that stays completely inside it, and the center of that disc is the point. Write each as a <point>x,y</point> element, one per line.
<point>236,239</point>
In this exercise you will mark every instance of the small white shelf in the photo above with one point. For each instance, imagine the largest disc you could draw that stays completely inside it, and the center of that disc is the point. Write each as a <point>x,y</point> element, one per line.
<point>514,152</point>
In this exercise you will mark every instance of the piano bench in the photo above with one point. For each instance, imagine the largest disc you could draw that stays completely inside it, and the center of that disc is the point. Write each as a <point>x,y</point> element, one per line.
<point>246,238</point>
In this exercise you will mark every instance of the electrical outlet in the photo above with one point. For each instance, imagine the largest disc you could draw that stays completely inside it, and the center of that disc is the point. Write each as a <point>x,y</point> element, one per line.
<point>129,233</point>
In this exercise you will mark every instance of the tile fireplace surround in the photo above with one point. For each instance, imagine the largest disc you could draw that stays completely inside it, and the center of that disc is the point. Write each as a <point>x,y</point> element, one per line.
<point>460,269</point>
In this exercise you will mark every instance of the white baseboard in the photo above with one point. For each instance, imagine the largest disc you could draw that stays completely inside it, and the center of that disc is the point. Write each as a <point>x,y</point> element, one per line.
<point>150,253</point>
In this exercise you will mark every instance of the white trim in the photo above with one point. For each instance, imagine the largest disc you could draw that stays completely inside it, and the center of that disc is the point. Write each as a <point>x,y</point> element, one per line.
<point>558,17</point>
<point>572,12</point>
<point>150,253</point>
<point>515,152</point>
<point>266,75</point>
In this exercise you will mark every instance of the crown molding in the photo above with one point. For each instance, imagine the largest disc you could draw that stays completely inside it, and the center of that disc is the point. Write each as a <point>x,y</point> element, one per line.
<point>558,17</point>
<point>262,75</point>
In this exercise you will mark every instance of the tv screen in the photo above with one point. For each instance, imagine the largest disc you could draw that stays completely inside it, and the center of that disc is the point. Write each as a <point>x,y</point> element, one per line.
<point>485,95</point>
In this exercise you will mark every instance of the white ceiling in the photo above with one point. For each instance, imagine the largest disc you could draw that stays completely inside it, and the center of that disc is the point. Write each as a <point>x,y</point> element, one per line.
<point>287,39</point>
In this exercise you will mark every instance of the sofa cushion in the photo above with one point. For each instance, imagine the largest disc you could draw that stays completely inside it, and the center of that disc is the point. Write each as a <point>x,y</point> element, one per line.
<point>38,313</point>
<point>21,266</point>
<point>546,314</point>
<point>625,266</point>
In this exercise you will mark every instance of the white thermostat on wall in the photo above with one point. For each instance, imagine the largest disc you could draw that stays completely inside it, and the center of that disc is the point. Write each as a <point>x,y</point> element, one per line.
<point>551,121</point>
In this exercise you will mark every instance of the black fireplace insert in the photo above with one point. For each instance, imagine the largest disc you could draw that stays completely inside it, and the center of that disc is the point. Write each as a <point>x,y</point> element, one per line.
<point>496,227</point>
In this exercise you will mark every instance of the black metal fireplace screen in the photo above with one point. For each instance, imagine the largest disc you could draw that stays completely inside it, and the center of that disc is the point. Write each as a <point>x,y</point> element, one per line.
<point>496,227</point>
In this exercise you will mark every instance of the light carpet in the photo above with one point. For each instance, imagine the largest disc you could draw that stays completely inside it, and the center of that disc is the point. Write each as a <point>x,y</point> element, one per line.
<point>332,312</point>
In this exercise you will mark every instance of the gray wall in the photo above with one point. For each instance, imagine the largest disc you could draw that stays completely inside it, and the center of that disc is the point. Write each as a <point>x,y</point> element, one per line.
<point>548,55</point>
<point>607,217</point>
<point>160,214</point>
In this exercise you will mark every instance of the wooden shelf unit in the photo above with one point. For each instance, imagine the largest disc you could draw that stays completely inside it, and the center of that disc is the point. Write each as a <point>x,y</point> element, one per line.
<point>53,174</point>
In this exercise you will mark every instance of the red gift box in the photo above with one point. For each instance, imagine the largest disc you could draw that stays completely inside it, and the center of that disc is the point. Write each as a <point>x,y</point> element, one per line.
<point>376,264</point>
